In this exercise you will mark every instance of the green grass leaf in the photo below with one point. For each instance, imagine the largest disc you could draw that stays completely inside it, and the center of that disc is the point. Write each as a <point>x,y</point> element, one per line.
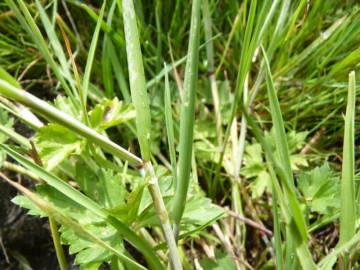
<point>170,128</point>
<point>187,115</point>
<point>348,214</point>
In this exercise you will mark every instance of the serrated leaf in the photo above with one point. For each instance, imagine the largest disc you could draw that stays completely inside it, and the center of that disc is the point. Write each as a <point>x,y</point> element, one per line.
<point>103,186</point>
<point>296,140</point>
<point>128,211</point>
<point>261,184</point>
<point>110,113</point>
<point>200,210</point>
<point>68,206</point>
<point>55,144</point>
<point>26,203</point>
<point>222,261</point>
<point>320,189</point>
<point>88,252</point>
<point>101,234</point>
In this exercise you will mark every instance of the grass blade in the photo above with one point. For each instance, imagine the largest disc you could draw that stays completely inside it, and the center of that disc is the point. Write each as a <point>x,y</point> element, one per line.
<point>143,119</point>
<point>348,213</point>
<point>28,23</point>
<point>296,226</point>
<point>170,128</point>
<point>211,67</point>
<point>281,143</point>
<point>187,117</point>
<point>137,78</point>
<point>90,57</point>
<point>106,56</point>
<point>56,240</point>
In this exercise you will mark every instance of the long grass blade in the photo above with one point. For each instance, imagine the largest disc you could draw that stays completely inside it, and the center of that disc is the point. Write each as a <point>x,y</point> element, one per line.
<point>137,79</point>
<point>90,57</point>
<point>170,128</point>
<point>256,26</point>
<point>296,224</point>
<point>348,214</point>
<point>106,56</point>
<point>282,146</point>
<point>143,119</point>
<point>187,117</point>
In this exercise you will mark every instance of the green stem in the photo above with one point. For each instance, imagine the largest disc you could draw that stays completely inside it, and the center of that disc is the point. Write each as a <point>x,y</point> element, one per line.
<point>143,123</point>
<point>71,123</point>
<point>163,216</point>
<point>187,117</point>
<point>58,248</point>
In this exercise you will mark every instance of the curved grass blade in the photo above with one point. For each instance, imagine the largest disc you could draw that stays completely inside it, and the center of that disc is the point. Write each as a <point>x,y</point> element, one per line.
<point>28,23</point>
<point>283,150</point>
<point>55,43</point>
<point>296,226</point>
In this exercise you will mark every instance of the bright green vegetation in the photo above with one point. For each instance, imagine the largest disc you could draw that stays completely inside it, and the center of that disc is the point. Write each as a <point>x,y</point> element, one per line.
<point>221,136</point>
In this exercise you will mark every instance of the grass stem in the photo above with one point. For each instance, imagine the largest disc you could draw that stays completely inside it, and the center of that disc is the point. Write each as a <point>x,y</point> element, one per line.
<point>143,123</point>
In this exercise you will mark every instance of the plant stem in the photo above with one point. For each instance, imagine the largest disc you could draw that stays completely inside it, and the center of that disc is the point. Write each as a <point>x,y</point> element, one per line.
<point>163,216</point>
<point>143,123</point>
<point>71,123</point>
<point>187,117</point>
<point>58,248</point>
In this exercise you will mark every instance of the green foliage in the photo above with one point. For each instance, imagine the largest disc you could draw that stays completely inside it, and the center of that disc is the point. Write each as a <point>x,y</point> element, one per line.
<point>258,132</point>
<point>55,144</point>
<point>110,113</point>
<point>6,123</point>
<point>320,190</point>
<point>221,261</point>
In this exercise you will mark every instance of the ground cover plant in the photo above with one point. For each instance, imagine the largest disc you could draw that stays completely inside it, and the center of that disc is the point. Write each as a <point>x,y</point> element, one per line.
<point>179,134</point>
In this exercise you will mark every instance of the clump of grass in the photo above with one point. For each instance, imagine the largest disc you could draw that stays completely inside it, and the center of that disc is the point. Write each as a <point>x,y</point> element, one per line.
<point>265,74</point>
